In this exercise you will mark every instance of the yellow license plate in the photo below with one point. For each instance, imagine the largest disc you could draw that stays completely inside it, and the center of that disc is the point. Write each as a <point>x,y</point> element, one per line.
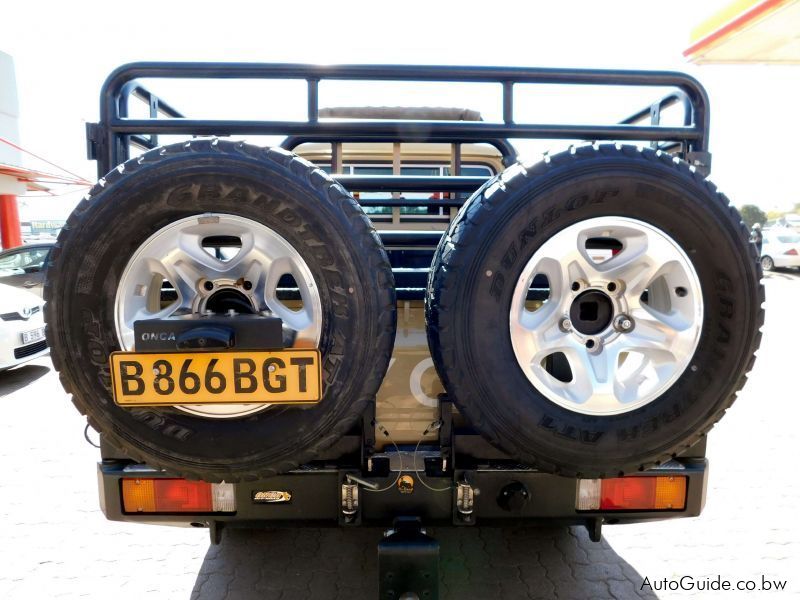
<point>176,378</point>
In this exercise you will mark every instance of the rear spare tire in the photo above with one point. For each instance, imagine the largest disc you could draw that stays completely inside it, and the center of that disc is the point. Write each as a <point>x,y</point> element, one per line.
<point>596,313</point>
<point>208,226</point>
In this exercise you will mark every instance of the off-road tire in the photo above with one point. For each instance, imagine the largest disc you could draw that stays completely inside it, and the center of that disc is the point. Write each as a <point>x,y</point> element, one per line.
<point>478,263</point>
<point>273,187</point>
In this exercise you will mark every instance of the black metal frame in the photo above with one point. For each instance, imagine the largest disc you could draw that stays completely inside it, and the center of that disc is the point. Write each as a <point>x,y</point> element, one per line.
<point>110,139</point>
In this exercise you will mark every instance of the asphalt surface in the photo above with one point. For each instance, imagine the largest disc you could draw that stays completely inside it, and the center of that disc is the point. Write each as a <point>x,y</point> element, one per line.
<point>57,544</point>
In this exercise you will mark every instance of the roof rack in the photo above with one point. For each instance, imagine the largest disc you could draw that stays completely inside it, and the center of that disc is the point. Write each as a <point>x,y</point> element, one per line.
<point>110,139</point>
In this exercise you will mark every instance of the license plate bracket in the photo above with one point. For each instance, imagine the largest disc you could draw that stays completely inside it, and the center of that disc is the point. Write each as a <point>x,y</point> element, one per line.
<point>213,332</point>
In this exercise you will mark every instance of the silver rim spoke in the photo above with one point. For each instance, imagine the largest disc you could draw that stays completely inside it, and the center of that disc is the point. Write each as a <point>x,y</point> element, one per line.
<point>539,339</point>
<point>643,338</point>
<point>595,378</point>
<point>175,261</point>
<point>653,334</point>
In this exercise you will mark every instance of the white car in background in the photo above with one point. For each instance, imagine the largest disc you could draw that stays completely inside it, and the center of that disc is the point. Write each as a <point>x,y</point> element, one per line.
<point>780,248</point>
<point>21,327</point>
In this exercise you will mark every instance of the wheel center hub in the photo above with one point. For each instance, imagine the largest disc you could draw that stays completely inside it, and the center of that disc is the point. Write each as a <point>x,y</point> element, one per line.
<point>227,298</point>
<point>591,312</point>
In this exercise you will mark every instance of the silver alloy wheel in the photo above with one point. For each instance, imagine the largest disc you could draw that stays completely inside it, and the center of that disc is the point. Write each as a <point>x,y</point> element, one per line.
<point>656,306</point>
<point>175,254</point>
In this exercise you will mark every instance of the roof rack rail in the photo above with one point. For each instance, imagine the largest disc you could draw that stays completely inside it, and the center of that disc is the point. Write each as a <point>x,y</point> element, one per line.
<point>111,138</point>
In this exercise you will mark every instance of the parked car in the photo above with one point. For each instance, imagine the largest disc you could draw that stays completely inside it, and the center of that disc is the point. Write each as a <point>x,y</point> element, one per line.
<point>23,267</point>
<point>21,327</point>
<point>792,222</point>
<point>781,248</point>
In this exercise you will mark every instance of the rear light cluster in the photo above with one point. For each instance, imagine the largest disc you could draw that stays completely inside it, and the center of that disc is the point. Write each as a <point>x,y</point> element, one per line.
<point>791,252</point>
<point>176,496</point>
<point>632,493</point>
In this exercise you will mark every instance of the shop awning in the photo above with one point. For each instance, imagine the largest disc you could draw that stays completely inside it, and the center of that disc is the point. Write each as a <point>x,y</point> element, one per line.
<point>749,31</point>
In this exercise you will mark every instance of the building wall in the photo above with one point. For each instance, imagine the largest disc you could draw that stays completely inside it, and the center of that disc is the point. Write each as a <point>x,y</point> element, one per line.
<point>9,111</point>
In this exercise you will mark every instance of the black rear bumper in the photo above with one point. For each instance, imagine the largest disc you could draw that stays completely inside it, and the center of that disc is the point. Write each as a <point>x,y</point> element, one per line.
<point>316,498</point>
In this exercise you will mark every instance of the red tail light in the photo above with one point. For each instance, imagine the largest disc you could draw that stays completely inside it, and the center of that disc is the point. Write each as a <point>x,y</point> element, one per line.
<point>632,493</point>
<point>176,495</point>
<point>792,252</point>
<point>180,495</point>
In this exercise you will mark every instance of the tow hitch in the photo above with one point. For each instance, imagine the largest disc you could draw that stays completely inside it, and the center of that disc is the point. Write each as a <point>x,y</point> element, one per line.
<point>408,562</point>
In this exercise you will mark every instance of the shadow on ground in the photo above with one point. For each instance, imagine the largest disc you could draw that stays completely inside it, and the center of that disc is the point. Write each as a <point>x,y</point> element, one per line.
<point>16,379</point>
<point>474,563</point>
<point>780,273</point>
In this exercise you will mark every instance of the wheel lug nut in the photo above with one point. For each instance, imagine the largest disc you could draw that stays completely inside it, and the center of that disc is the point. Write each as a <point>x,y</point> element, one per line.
<point>566,324</point>
<point>208,285</point>
<point>576,286</point>
<point>247,285</point>
<point>611,287</point>
<point>623,323</point>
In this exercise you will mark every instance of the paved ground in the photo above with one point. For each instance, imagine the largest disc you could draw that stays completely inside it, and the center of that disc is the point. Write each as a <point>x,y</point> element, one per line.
<point>57,543</point>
